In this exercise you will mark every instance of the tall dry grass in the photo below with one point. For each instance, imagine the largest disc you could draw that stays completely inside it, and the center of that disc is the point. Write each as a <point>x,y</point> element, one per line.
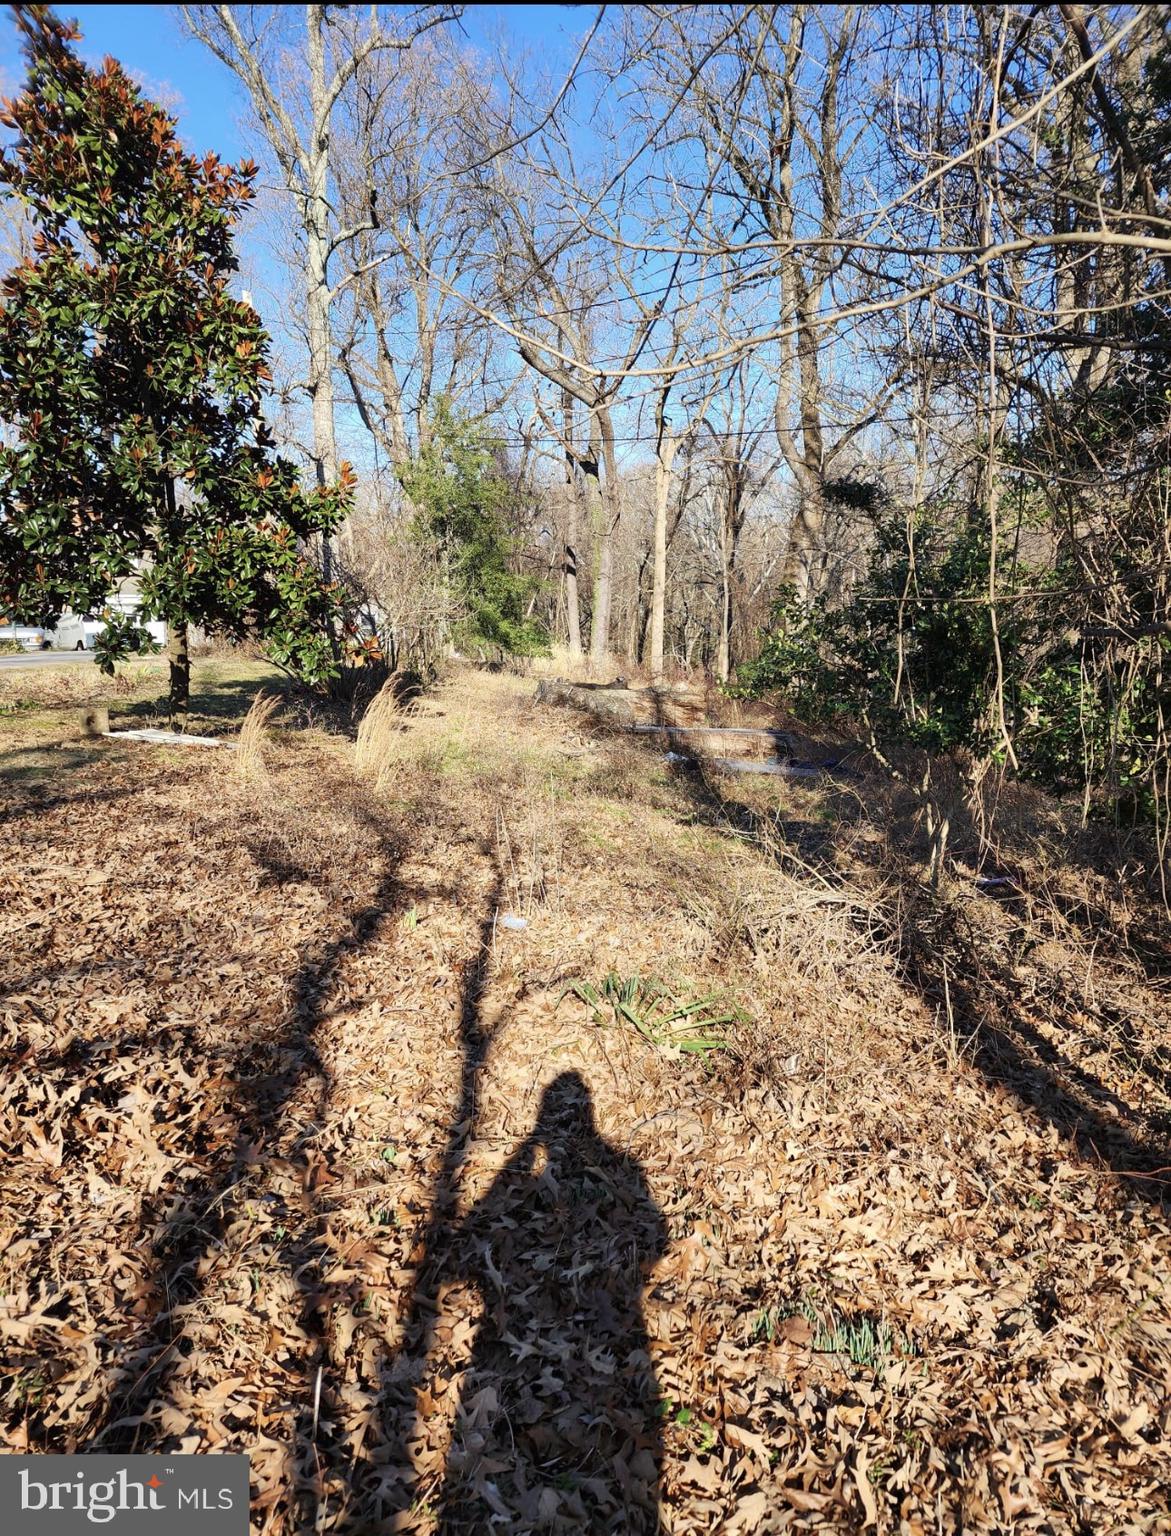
<point>378,732</point>
<point>249,765</point>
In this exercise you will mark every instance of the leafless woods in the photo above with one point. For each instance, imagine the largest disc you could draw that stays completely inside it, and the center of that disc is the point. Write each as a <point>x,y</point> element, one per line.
<point>744,296</point>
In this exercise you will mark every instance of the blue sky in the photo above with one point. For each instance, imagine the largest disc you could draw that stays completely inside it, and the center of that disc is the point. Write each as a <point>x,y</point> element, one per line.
<point>151,42</point>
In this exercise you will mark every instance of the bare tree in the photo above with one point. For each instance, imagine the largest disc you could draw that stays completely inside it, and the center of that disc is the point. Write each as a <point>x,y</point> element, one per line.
<point>331,54</point>
<point>566,290</point>
<point>408,337</point>
<point>672,432</point>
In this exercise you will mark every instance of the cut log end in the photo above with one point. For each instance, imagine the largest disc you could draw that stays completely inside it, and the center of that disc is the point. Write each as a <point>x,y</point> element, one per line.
<point>95,721</point>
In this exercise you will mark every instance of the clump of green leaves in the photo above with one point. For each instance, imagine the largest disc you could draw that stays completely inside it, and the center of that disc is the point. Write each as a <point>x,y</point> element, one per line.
<point>866,1341</point>
<point>911,657</point>
<point>463,502</point>
<point>693,1025</point>
<point>863,1340</point>
<point>133,381</point>
<point>912,668</point>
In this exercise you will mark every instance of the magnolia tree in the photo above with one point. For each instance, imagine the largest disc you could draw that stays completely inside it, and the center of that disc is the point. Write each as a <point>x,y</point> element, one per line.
<point>131,384</point>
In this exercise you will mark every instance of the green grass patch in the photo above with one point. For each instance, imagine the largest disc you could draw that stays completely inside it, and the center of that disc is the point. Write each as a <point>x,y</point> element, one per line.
<point>671,1020</point>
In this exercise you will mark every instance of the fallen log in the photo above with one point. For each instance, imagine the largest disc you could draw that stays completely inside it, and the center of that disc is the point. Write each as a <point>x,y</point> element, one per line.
<point>161,738</point>
<point>624,706</point>
<point>783,770</point>
<point>626,709</point>
<point>775,742</point>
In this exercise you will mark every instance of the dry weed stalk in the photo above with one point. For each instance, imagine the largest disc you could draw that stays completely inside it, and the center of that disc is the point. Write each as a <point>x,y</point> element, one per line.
<point>531,857</point>
<point>249,766</point>
<point>377,732</point>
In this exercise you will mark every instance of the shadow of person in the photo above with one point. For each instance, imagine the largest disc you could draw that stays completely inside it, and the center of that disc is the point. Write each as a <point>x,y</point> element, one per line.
<point>559,1422</point>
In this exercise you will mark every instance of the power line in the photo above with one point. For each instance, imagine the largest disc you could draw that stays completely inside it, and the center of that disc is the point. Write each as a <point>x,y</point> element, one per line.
<point>550,316</point>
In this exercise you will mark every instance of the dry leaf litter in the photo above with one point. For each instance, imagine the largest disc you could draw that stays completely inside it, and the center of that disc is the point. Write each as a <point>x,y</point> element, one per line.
<point>307,1156</point>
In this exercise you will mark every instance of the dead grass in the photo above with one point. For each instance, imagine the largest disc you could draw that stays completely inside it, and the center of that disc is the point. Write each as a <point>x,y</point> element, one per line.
<point>295,1163</point>
<point>378,730</point>
<point>249,762</point>
<point>39,701</point>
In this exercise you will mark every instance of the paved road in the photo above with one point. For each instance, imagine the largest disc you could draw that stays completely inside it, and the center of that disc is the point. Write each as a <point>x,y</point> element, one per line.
<point>45,659</point>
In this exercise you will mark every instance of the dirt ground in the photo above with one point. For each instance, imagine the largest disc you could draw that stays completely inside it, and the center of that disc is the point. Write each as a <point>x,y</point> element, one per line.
<point>498,1127</point>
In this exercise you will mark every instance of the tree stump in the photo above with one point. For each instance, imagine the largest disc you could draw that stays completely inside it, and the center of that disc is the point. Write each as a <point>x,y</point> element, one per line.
<point>95,721</point>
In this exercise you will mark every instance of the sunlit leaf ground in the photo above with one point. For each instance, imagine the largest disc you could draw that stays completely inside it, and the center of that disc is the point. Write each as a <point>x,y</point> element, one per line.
<point>309,1154</point>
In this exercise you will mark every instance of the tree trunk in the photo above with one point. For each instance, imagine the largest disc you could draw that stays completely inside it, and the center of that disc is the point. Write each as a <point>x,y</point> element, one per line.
<point>724,642</point>
<point>666,459</point>
<point>180,667</point>
<point>177,655</point>
<point>321,386</point>
<point>596,522</point>
<point>724,649</point>
<point>572,603</point>
<point>318,298</point>
<point>805,561</point>
<point>610,510</point>
<point>394,431</point>
<point>800,570</point>
<point>603,585</point>
<point>573,512</point>
<point>637,628</point>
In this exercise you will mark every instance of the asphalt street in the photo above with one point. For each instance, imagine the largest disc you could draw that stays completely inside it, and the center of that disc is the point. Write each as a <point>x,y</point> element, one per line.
<point>46,659</point>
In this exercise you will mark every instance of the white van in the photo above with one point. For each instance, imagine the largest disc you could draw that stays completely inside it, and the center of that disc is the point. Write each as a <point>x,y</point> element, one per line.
<point>76,631</point>
<point>79,631</point>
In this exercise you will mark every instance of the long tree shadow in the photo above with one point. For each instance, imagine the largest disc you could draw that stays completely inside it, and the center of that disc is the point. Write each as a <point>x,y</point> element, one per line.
<point>557,1251</point>
<point>559,1413</point>
<point>262,1077</point>
<point>276,1069</point>
<point>400,1408</point>
<point>217,704</point>
<point>264,1074</point>
<point>34,804</point>
<point>946,967</point>
<point>996,1025</point>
